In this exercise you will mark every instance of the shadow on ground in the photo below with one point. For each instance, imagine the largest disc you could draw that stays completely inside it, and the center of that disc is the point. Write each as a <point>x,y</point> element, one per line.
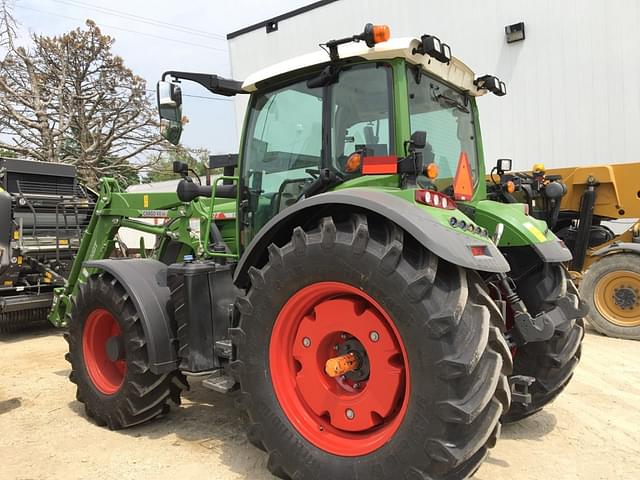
<point>534,427</point>
<point>10,404</point>
<point>29,333</point>
<point>209,421</point>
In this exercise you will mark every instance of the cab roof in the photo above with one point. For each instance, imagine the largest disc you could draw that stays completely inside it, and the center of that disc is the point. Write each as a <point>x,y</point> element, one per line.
<point>455,72</point>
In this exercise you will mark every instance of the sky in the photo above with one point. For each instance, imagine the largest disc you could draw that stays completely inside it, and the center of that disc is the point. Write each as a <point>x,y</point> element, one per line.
<point>153,37</point>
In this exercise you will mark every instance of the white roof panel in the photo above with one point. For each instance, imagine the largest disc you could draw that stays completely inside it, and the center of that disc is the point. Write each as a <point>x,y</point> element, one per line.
<point>454,72</point>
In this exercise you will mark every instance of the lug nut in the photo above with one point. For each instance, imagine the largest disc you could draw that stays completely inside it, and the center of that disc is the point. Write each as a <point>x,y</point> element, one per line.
<point>350,414</point>
<point>306,341</point>
<point>374,336</point>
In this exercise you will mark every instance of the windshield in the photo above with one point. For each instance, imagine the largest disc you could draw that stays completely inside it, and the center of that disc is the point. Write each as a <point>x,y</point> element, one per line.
<point>445,114</point>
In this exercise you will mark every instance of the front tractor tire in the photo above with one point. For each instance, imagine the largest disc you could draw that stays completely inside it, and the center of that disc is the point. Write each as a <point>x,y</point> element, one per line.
<point>552,362</point>
<point>611,287</point>
<point>109,358</point>
<point>362,355</point>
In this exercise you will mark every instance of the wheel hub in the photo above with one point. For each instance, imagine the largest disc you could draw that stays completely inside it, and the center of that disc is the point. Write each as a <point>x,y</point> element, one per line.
<point>343,387</point>
<point>617,298</point>
<point>625,297</point>
<point>115,348</point>
<point>353,349</point>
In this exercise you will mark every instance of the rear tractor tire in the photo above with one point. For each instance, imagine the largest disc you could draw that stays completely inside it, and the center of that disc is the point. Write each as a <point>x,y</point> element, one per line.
<point>611,287</point>
<point>552,362</point>
<point>109,358</point>
<point>362,355</point>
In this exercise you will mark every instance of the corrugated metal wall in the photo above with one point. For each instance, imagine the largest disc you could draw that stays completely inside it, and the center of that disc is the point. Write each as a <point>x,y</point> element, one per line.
<point>573,84</point>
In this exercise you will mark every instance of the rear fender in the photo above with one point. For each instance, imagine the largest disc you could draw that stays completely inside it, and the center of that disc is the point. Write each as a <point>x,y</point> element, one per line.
<point>145,280</point>
<point>446,242</point>
<point>617,248</point>
<point>521,230</point>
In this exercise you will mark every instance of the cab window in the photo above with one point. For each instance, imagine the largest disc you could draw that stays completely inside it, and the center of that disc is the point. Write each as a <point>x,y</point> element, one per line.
<point>282,150</point>
<point>360,106</point>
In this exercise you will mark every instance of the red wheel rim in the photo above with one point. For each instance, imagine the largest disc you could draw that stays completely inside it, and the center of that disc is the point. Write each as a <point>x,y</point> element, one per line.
<point>335,414</point>
<point>107,376</point>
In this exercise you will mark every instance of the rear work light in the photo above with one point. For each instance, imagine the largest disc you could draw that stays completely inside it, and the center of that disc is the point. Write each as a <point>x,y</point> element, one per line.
<point>435,199</point>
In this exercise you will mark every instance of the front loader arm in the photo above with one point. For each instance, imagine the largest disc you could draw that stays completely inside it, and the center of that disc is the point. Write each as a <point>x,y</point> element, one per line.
<point>114,209</point>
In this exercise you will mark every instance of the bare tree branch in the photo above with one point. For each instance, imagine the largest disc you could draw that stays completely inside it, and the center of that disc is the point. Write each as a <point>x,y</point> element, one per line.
<point>69,99</point>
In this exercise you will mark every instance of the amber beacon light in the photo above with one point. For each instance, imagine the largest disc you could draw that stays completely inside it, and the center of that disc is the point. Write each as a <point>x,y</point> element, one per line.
<point>375,34</point>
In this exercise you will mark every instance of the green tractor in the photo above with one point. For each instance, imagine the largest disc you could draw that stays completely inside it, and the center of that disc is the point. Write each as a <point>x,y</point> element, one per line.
<point>380,317</point>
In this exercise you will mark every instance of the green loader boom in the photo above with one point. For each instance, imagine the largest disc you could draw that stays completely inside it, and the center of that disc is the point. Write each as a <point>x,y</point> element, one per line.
<point>186,231</point>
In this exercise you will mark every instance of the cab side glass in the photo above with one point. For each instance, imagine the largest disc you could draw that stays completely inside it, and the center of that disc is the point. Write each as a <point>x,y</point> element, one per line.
<point>361,112</point>
<point>282,150</point>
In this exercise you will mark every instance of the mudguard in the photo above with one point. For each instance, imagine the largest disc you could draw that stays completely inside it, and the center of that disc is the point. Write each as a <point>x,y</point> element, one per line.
<point>552,251</point>
<point>618,247</point>
<point>145,280</point>
<point>446,242</point>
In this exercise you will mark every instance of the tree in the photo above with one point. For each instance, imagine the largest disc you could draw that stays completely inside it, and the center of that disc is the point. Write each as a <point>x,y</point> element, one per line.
<point>69,99</point>
<point>163,168</point>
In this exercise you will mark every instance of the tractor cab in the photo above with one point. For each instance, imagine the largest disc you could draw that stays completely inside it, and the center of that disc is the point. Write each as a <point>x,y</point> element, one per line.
<point>367,111</point>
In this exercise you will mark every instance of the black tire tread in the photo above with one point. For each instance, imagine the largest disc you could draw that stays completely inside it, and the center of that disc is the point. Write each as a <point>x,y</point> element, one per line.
<point>144,395</point>
<point>476,364</point>
<point>609,263</point>
<point>551,363</point>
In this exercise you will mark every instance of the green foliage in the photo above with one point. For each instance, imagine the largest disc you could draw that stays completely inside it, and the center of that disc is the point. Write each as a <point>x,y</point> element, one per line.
<point>4,153</point>
<point>163,168</point>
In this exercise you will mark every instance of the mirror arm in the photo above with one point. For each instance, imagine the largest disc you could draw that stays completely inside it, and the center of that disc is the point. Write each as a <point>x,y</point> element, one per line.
<point>213,83</point>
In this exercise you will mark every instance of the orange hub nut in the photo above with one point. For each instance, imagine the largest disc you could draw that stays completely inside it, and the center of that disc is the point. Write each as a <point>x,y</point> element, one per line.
<point>345,401</point>
<point>340,365</point>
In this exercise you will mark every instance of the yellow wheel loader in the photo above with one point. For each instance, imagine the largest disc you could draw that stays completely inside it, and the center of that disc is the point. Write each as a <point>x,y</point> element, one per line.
<point>579,204</point>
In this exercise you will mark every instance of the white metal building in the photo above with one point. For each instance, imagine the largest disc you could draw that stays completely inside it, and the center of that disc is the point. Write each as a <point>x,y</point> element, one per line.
<point>573,83</point>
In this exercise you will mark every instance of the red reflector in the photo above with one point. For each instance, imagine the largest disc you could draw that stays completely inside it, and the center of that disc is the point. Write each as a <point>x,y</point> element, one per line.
<point>379,165</point>
<point>478,251</point>
<point>463,181</point>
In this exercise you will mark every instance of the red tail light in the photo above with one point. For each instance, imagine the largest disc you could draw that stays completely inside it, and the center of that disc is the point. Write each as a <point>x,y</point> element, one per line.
<point>478,251</point>
<point>435,199</point>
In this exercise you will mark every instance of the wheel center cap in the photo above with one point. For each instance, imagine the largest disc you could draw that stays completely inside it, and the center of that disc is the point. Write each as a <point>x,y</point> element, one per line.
<point>625,297</point>
<point>115,348</point>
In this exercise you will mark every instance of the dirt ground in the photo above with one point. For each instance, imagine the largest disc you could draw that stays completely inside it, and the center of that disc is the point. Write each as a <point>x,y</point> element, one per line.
<point>591,432</point>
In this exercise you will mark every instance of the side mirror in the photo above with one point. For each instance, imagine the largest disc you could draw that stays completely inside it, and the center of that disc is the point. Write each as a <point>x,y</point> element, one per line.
<point>504,165</point>
<point>170,109</point>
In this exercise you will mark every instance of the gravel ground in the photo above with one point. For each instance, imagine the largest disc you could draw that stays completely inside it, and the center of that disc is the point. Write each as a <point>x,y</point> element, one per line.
<point>591,432</point>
